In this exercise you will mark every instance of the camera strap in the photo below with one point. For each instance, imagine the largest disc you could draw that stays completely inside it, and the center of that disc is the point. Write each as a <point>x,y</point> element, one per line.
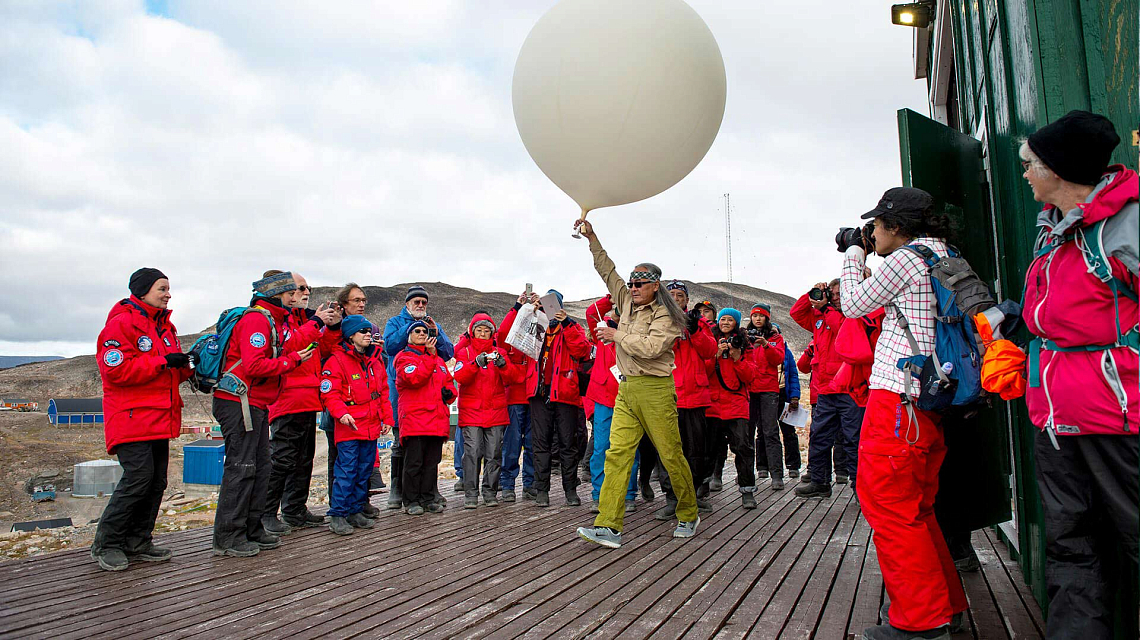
<point>720,377</point>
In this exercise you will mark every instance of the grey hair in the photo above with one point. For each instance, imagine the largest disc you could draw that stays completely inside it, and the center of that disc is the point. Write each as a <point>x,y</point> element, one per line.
<point>664,298</point>
<point>1039,168</point>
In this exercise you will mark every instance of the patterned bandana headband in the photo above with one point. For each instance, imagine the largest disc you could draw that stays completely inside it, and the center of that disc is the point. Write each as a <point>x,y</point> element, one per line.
<point>644,275</point>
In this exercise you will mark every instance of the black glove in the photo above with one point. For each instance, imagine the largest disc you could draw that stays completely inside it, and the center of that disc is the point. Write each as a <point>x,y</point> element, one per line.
<point>177,360</point>
<point>500,361</point>
<point>694,321</point>
<point>447,394</point>
<point>481,360</point>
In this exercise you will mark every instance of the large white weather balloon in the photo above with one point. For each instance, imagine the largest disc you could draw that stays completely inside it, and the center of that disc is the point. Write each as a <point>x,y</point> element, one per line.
<point>617,100</point>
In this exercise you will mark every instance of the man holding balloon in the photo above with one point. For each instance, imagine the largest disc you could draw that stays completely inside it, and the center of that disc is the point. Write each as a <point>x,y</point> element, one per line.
<point>649,322</point>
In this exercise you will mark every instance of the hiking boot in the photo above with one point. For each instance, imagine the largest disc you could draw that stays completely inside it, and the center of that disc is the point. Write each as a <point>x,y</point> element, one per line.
<point>340,526</point>
<point>715,484</point>
<point>601,535</point>
<point>630,506</point>
<point>376,482</point>
<point>309,520</point>
<point>887,632</point>
<point>471,503</point>
<point>266,541</point>
<point>762,473</point>
<point>572,499</point>
<point>957,621</point>
<point>458,488</point>
<point>529,493</point>
<point>748,501</point>
<point>542,499</point>
<point>151,554</point>
<point>415,510</point>
<point>777,484</point>
<point>840,479</point>
<point>489,500</point>
<point>440,500</point>
<point>686,529</point>
<point>813,490</point>
<point>435,507</point>
<point>667,512</point>
<point>359,521</point>
<point>369,511</point>
<point>508,495</point>
<point>704,506</point>
<point>595,507</point>
<point>647,491</point>
<point>243,549</point>
<point>275,526</point>
<point>111,559</point>
<point>805,478</point>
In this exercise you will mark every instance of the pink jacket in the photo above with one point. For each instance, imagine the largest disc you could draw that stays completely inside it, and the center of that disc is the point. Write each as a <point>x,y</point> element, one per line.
<point>1084,391</point>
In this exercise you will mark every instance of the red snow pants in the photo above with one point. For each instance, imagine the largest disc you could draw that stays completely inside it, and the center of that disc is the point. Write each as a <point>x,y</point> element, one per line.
<point>898,479</point>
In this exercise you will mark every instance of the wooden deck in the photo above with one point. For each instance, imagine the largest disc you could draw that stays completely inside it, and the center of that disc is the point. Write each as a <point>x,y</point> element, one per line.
<point>789,569</point>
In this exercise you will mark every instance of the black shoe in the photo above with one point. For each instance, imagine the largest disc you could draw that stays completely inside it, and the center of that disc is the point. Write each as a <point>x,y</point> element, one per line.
<point>957,621</point>
<point>490,499</point>
<point>668,512</point>
<point>805,478</point>
<point>458,488</point>
<point>813,490</point>
<point>376,482</point>
<point>340,526</point>
<point>308,521</point>
<point>151,554</point>
<point>761,473</point>
<point>529,493</point>
<point>748,501</point>
<point>840,479</point>
<point>266,541</point>
<point>968,565</point>
<point>704,506</point>
<point>716,484</point>
<point>275,526</point>
<point>777,484</point>
<point>369,511</point>
<point>111,559</point>
<point>542,499</point>
<point>244,549</point>
<point>647,491</point>
<point>887,632</point>
<point>572,499</point>
<point>358,521</point>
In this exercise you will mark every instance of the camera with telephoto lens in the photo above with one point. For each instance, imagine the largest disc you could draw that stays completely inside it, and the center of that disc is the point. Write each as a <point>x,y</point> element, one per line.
<point>820,293</point>
<point>855,237</point>
<point>735,341</point>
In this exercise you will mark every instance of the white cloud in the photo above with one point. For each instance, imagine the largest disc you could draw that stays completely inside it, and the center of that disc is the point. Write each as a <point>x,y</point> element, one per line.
<point>375,142</point>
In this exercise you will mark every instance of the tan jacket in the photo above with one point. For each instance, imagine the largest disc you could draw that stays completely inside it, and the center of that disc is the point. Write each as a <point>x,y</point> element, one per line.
<point>645,333</point>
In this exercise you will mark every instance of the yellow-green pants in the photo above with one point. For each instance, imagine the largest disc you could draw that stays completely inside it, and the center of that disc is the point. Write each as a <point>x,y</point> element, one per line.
<point>646,405</point>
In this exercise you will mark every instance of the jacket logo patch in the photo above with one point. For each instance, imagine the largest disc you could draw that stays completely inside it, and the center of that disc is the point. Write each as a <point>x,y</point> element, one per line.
<point>113,358</point>
<point>458,366</point>
<point>356,376</point>
<point>288,334</point>
<point>326,386</point>
<point>411,368</point>
<point>1068,429</point>
<point>819,323</point>
<point>145,344</point>
<point>166,341</point>
<point>112,343</point>
<point>257,340</point>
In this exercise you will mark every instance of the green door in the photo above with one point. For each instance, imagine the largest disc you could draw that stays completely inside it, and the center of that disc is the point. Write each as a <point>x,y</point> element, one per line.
<point>974,490</point>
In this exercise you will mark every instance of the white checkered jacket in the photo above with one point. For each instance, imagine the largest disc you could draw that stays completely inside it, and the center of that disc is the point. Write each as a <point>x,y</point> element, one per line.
<point>903,281</point>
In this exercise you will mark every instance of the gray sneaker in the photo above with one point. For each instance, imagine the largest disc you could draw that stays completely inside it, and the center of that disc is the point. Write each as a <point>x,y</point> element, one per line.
<point>359,521</point>
<point>415,510</point>
<point>243,549</point>
<point>340,526</point>
<point>601,535</point>
<point>111,559</point>
<point>509,495</point>
<point>686,529</point>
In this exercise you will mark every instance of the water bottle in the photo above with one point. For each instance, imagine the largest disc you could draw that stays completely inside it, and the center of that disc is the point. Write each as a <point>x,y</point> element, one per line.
<point>947,368</point>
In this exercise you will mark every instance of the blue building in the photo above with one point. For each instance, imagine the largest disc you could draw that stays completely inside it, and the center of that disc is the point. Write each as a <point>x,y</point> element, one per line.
<point>75,411</point>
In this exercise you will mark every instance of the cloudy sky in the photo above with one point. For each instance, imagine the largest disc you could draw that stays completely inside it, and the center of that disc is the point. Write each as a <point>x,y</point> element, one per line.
<point>375,141</point>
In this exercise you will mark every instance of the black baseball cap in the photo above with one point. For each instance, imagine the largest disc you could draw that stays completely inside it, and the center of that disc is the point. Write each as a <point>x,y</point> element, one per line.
<point>905,201</point>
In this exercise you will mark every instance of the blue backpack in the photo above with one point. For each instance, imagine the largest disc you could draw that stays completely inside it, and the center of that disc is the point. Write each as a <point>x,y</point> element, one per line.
<point>209,352</point>
<point>952,375</point>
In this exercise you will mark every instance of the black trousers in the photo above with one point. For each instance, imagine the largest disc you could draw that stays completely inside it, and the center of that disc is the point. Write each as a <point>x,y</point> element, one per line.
<point>331,437</point>
<point>764,408</point>
<point>649,459</point>
<point>245,477</point>
<point>546,419</point>
<point>691,423</point>
<point>129,516</point>
<point>739,437</point>
<point>292,442</point>
<point>1089,493</point>
<point>421,458</point>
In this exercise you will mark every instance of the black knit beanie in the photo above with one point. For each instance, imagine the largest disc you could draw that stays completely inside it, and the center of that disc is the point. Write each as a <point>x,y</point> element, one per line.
<point>416,291</point>
<point>1077,147</point>
<point>143,279</point>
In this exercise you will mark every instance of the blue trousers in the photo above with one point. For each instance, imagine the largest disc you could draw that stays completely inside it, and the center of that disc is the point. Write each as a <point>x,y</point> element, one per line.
<point>834,415</point>
<point>354,462</point>
<point>516,442</point>
<point>458,452</point>
<point>603,416</point>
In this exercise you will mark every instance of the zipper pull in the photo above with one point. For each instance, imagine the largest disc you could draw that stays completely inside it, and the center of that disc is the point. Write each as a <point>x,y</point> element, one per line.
<point>1049,429</point>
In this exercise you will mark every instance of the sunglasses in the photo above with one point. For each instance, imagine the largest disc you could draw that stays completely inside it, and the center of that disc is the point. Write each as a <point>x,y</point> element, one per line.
<point>638,284</point>
<point>305,289</point>
<point>419,330</point>
<point>367,330</point>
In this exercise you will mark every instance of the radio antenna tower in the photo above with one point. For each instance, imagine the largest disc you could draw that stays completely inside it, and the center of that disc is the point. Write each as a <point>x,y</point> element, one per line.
<point>728,233</point>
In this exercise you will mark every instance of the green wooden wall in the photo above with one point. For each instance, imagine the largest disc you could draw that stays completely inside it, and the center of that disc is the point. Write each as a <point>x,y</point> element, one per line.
<point>1021,64</point>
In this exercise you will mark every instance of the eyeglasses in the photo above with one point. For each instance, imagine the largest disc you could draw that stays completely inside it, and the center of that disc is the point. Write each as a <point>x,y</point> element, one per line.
<point>419,330</point>
<point>361,300</point>
<point>304,288</point>
<point>638,284</point>
<point>1025,164</point>
<point>419,302</point>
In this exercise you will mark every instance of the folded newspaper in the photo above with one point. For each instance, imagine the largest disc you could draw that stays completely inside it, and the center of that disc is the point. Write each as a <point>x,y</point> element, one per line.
<point>527,332</point>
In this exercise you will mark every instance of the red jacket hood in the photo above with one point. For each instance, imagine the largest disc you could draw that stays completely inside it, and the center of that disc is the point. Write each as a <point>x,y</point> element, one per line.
<point>1111,198</point>
<point>481,345</point>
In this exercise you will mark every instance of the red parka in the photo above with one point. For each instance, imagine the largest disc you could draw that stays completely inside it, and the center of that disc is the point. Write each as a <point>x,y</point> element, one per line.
<point>804,365</point>
<point>767,355</point>
<point>251,343</point>
<point>691,355</point>
<point>729,402</point>
<point>603,386</point>
<point>568,349</point>
<point>299,389</point>
<point>516,391</point>
<point>355,384</point>
<point>482,390</point>
<point>420,380</point>
<point>824,324</point>
<point>855,346</point>
<point>140,395</point>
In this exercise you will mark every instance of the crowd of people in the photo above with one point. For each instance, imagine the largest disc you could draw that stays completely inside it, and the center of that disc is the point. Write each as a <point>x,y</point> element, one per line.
<point>658,386</point>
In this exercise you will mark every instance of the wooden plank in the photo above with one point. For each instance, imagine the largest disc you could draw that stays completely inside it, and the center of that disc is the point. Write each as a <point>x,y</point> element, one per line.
<point>870,595</point>
<point>809,608</point>
<point>836,611</point>
<point>1015,613</point>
